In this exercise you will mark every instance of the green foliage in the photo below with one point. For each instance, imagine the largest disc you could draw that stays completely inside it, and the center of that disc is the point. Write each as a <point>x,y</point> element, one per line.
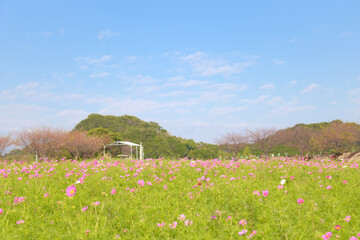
<point>246,152</point>
<point>284,150</point>
<point>157,141</point>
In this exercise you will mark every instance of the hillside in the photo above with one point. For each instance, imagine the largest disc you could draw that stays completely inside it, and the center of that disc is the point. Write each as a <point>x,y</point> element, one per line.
<point>156,140</point>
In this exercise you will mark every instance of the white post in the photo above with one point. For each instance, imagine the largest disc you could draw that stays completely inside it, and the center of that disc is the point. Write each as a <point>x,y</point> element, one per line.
<point>141,152</point>
<point>104,151</point>
<point>36,156</point>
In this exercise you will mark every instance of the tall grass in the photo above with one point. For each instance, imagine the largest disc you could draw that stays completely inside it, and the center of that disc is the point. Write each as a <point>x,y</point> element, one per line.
<point>214,196</point>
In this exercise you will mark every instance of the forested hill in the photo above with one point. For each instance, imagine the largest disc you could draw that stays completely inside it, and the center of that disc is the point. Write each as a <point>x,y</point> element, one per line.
<point>156,140</point>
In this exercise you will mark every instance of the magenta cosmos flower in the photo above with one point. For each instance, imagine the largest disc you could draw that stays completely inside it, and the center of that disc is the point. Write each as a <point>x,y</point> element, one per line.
<point>70,191</point>
<point>337,227</point>
<point>300,201</point>
<point>113,191</point>
<point>327,235</point>
<point>265,193</point>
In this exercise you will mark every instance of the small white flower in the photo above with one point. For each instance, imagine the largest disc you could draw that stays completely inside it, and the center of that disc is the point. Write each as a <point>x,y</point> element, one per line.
<point>283,181</point>
<point>77,182</point>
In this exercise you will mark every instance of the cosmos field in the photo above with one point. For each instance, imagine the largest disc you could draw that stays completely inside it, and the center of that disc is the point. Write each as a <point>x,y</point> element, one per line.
<point>278,198</point>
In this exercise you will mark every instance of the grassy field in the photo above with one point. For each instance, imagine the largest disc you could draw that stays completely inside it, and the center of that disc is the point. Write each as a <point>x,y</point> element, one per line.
<point>281,198</point>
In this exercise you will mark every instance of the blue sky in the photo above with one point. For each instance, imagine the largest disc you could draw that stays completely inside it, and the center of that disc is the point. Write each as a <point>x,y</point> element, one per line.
<point>198,68</point>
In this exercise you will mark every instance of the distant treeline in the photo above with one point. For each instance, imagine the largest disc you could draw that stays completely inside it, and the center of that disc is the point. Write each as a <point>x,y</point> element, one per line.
<point>91,134</point>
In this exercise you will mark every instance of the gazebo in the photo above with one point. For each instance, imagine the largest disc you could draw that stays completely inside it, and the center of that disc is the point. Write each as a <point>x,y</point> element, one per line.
<point>139,149</point>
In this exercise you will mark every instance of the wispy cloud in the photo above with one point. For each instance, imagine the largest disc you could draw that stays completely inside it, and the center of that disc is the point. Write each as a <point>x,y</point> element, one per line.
<point>267,86</point>
<point>107,34</point>
<point>344,34</point>
<point>293,82</point>
<point>354,95</point>
<point>47,34</point>
<point>90,61</point>
<point>310,88</point>
<point>220,111</point>
<point>99,75</point>
<point>180,81</point>
<point>278,62</point>
<point>203,65</point>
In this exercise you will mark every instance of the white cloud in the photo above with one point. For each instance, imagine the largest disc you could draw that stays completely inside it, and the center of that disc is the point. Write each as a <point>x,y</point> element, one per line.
<point>228,87</point>
<point>203,65</point>
<point>267,86</point>
<point>174,93</point>
<point>20,116</point>
<point>344,34</point>
<point>90,61</point>
<point>70,117</point>
<point>354,95</point>
<point>278,62</point>
<point>31,90</point>
<point>220,111</point>
<point>310,88</point>
<point>107,34</point>
<point>47,34</point>
<point>182,82</point>
<point>99,75</point>
<point>132,58</point>
<point>293,82</point>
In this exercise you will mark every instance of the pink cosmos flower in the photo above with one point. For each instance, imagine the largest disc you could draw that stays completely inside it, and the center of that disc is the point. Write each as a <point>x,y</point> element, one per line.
<point>328,187</point>
<point>256,193</point>
<point>160,224</point>
<point>84,209</point>
<point>96,203</point>
<point>141,183</point>
<point>173,226</point>
<point>113,191</point>
<point>345,181</point>
<point>265,193</point>
<point>280,187</point>
<point>337,227</point>
<point>242,222</point>
<point>188,222</point>
<point>182,217</point>
<point>353,238</point>
<point>20,222</point>
<point>46,195</point>
<point>70,191</point>
<point>1,211</point>
<point>327,235</point>
<point>347,218</point>
<point>300,201</point>
<point>242,232</point>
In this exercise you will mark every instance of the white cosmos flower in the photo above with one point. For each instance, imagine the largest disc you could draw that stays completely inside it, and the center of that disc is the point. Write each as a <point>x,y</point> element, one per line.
<point>283,181</point>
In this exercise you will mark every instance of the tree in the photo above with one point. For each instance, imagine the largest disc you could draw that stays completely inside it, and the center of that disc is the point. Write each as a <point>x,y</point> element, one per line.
<point>233,142</point>
<point>297,137</point>
<point>5,142</point>
<point>79,144</point>
<point>262,138</point>
<point>43,141</point>
<point>338,137</point>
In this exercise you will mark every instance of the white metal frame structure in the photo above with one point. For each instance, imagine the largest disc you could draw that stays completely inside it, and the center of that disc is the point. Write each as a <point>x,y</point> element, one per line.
<point>139,148</point>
